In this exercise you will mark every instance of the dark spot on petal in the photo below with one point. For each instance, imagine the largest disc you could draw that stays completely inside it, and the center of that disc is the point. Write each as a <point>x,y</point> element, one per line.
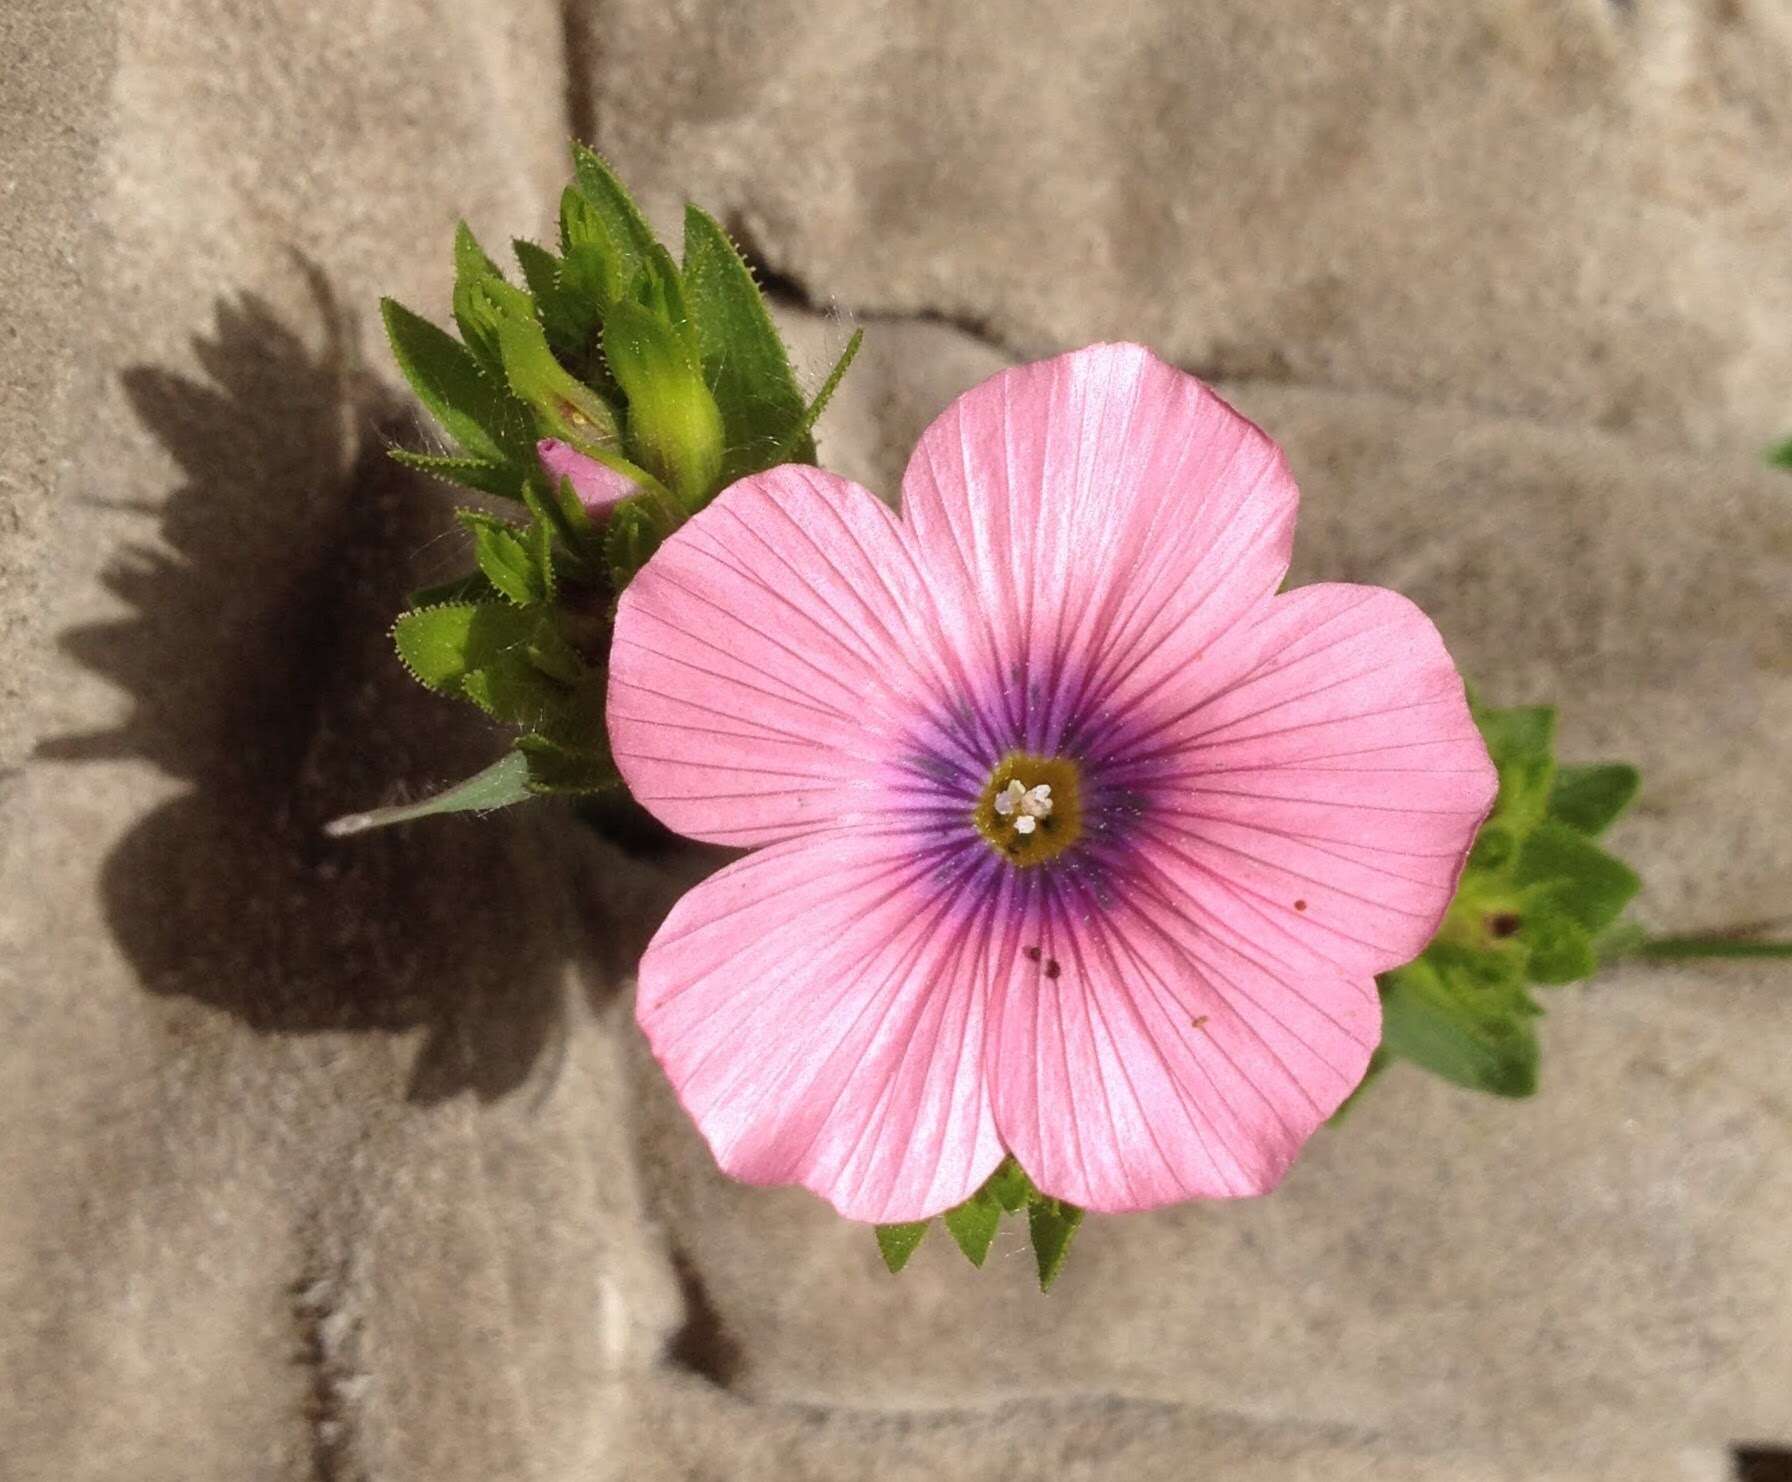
<point>1032,954</point>
<point>1300,905</point>
<point>1051,968</point>
<point>1198,1022</point>
<point>1503,924</point>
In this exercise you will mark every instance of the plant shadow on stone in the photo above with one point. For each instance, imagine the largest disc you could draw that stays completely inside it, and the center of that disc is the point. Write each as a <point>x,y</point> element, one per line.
<point>257,657</point>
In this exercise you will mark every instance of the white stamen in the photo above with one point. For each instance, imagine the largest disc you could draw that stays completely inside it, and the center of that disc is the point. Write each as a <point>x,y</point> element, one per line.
<point>1025,805</point>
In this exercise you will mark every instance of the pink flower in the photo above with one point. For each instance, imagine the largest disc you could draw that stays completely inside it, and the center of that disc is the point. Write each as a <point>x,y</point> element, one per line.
<point>1242,806</point>
<point>599,487</point>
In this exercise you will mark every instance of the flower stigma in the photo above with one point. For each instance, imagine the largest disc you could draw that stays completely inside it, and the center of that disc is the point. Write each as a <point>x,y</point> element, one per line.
<point>1030,809</point>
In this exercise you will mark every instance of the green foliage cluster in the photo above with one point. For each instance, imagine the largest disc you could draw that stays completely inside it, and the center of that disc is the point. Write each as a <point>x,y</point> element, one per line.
<point>1539,904</point>
<point>669,373</point>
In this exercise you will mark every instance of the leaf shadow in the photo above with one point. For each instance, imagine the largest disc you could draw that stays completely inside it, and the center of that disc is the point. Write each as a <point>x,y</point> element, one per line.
<point>256,658</point>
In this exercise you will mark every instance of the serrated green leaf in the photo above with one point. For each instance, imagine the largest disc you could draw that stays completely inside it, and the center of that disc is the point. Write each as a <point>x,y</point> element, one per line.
<point>1588,799</point>
<point>500,785</point>
<point>973,1224</point>
<point>1052,1224</point>
<point>674,428</point>
<point>483,297</point>
<point>506,561</point>
<point>898,1242</point>
<point>1010,1186</point>
<point>1475,1037</point>
<point>447,379</point>
<point>1558,948</point>
<point>503,479</point>
<point>630,238</point>
<point>743,357</point>
<point>496,655</point>
<point>540,540</point>
<point>554,768</point>
<point>564,407</point>
<point>1590,885</point>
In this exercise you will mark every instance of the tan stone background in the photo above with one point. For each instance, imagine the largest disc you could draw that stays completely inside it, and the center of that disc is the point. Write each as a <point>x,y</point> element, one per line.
<point>342,1162</point>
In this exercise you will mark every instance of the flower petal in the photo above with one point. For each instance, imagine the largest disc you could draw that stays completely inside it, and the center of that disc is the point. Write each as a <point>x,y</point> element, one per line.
<point>1139,1057</point>
<point>1330,794</point>
<point>1079,511</point>
<point>599,487</point>
<point>764,661</point>
<point>816,1008</point>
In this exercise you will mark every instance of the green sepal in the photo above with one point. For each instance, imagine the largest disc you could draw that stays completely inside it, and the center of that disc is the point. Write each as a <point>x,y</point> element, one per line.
<point>554,768</point>
<point>1477,1037</point>
<point>674,427</point>
<point>898,1242</point>
<point>510,662</point>
<point>973,1224</point>
<point>557,509</point>
<point>483,297</point>
<point>630,239</point>
<point>1592,886</point>
<point>503,479</point>
<point>1589,799</point>
<point>743,357</point>
<point>1052,1223</point>
<point>564,407</point>
<point>500,785</point>
<point>448,380</point>
<point>1010,1185</point>
<point>507,561</point>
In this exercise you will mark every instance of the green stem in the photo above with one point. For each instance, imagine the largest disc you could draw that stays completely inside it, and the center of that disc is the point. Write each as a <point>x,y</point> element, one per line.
<point>1663,949</point>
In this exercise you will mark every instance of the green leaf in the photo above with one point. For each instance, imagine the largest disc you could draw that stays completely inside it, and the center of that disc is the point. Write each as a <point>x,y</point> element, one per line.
<point>540,540</point>
<point>570,319</point>
<point>483,297</point>
<point>564,407</point>
<point>1521,742</point>
<point>1477,1037</point>
<point>1052,1224</point>
<point>441,645</point>
<point>1781,456</point>
<point>898,1242</point>
<point>793,445</point>
<point>743,357</point>
<point>502,479</point>
<point>507,562</point>
<point>554,768</point>
<point>557,508</point>
<point>509,662</point>
<point>1589,884</point>
<point>502,783</point>
<point>470,404</point>
<point>1558,948</point>
<point>674,428</point>
<point>1010,1185</point>
<point>1667,949</point>
<point>630,238</point>
<point>973,1224</point>
<point>1588,799</point>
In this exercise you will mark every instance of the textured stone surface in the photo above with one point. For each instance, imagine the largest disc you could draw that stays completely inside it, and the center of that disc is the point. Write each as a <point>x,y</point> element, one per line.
<point>304,1178</point>
<point>1574,211</point>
